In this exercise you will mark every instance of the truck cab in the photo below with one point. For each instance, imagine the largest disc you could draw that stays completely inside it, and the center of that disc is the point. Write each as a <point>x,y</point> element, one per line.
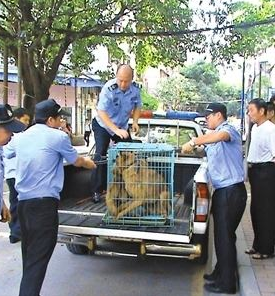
<point>82,227</point>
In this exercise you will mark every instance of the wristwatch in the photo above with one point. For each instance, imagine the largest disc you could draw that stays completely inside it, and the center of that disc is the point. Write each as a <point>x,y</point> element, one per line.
<point>192,143</point>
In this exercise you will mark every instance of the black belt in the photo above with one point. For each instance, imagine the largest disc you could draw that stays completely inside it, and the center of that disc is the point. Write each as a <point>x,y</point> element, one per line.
<point>260,164</point>
<point>40,198</point>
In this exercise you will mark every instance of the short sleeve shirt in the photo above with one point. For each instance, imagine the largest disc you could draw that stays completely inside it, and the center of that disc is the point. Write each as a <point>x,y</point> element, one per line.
<point>118,104</point>
<point>262,145</point>
<point>40,151</point>
<point>225,159</point>
<point>9,163</point>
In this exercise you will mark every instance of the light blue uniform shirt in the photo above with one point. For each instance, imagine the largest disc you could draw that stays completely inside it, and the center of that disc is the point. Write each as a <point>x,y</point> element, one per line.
<point>39,161</point>
<point>9,163</point>
<point>118,104</point>
<point>1,177</point>
<point>225,159</point>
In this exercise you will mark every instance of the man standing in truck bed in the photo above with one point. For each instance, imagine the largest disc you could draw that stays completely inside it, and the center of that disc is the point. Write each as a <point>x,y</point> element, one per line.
<point>118,98</point>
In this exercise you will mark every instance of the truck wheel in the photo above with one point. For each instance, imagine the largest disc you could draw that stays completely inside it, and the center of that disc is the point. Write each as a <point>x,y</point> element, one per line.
<point>201,239</point>
<point>77,249</point>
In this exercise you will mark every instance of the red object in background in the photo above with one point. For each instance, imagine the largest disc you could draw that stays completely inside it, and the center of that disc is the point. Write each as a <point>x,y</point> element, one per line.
<point>144,114</point>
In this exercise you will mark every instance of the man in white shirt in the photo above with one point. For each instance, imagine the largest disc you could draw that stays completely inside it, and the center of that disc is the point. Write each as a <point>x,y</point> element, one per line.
<point>261,173</point>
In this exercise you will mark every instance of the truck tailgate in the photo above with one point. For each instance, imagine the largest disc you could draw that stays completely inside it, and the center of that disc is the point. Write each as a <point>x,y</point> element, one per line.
<point>85,218</point>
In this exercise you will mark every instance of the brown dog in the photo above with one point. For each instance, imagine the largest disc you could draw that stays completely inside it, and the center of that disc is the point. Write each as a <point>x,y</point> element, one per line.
<point>116,193</point>
<point>145,187</point>
<point>134,185</point>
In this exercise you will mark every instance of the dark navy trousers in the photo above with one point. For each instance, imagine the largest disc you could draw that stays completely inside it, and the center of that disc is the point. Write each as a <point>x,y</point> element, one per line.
<point>14,224</point>
<point>228,205</point>
<point>102,141</point>
<point>262,182</point>
<point>39,226</point>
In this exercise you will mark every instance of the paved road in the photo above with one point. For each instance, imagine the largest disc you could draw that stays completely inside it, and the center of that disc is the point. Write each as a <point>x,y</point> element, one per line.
<point>85,275</point>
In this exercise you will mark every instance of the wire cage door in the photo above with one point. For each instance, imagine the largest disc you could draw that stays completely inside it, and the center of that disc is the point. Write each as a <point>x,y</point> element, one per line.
<point>140,185</point>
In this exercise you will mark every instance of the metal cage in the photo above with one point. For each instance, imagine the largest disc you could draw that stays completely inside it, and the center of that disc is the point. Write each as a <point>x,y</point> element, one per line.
<point>140,185</point>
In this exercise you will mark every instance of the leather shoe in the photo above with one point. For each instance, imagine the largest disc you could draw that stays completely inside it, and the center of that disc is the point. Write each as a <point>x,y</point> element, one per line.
<point>14,239</point>
<point>214,288</point>
<point>96,197</point>
<point>211,277</point>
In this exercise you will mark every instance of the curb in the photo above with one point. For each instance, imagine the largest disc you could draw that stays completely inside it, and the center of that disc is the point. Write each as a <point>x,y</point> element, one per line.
<point>248,283</point>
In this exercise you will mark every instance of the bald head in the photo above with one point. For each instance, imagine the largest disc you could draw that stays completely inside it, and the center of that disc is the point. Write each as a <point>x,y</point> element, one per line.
<point>124,77</point>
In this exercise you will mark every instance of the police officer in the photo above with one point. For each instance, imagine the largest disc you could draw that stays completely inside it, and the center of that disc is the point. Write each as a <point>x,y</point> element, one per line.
<point>8,125</point>
<point>23,116</point>
<point>225,169</point>
<point>40,151</point>
<point>118,98</point>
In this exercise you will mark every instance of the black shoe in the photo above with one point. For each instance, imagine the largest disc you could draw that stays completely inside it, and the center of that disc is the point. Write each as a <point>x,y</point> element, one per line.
<point>14,239</point>
<point>214,288</point>
<point>96,197</point>
<point>211,277</point>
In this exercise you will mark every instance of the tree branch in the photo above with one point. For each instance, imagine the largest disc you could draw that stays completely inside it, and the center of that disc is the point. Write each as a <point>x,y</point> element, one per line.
<point>12,11</point>
<point>96,30</point>
<point>25,7</point>
<point>102,33</point>
<point>5,34</point>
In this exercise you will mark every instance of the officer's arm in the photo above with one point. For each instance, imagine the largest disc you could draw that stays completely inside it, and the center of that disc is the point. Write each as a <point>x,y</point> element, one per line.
<point>214,137</point>
<point>107,121</point>
<point>136,115</point>
<point>84,162</point>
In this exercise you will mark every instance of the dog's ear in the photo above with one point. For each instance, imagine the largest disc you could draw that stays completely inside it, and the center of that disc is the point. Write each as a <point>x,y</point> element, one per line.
<point>130,159</point>
<point>143,163</point>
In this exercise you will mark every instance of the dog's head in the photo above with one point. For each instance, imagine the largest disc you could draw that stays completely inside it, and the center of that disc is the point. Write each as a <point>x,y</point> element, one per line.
<point>125,159</point>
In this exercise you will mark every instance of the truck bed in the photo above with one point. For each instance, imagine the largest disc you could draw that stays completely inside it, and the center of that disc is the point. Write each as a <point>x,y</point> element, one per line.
<point>84,213</point>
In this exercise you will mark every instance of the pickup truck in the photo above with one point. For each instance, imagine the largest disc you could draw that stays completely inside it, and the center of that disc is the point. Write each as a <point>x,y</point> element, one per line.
<point>81,225</point>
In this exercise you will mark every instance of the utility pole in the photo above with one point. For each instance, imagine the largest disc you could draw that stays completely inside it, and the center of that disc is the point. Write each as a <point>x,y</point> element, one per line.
<point>243,101</point>
<point>76,104</point>
<point>260,81</point>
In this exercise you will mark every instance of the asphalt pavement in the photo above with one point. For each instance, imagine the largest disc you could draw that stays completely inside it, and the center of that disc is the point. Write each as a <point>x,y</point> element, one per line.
<point>256,276</point>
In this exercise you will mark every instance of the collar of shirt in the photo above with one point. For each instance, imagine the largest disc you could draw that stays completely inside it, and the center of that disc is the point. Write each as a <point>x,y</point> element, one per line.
<point>221,125</point>
<point>128,91</point>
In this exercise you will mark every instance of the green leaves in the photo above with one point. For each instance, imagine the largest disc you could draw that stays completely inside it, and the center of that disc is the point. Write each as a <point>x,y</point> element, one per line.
<point>198,83</point>
<point>247,41</point>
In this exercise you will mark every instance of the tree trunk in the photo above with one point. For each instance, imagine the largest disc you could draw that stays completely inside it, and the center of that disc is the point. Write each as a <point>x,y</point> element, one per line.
<point>6,70</point>
<point>36,84</point>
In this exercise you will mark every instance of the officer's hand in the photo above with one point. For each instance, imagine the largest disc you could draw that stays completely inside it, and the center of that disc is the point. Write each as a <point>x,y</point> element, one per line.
<point>88,163</point>
<point>123,134</point>
<point>5,214</point>
<point>187,148</point>
<point>135,128</point>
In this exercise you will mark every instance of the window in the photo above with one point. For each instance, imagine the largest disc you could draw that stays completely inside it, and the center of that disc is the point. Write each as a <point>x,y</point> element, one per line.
<point>174,135</point>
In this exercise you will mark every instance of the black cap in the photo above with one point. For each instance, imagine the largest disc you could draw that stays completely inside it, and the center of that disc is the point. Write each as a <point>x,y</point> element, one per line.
<point>48,108</point>
<point>8,122</point>
<point>214,108</point>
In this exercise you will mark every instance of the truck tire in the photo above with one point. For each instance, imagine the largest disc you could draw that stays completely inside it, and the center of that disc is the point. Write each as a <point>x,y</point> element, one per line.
<point>201,239</point>
<point>77,249</point>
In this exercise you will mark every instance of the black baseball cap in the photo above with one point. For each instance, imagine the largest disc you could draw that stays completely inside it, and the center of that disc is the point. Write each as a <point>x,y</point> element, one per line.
<point>8,122</point>
<point>48,108</point>
<point>214,108</point>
